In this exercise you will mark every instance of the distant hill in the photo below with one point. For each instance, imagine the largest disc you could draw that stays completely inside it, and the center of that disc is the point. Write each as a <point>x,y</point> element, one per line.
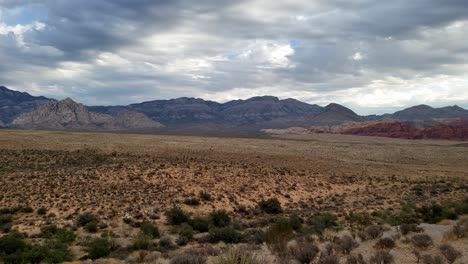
<point>14,103</point>
<point>425,112</point>
<point>69,115</point>
<point>195,116</point>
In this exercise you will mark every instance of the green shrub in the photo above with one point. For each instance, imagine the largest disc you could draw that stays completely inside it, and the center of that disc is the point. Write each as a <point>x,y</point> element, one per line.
<point>318,223</point>
<point>91,227</point>
<point>99,248</point>
<point>219,218</point>
<point>12,243</point>
<point>42,211</point>
<point>59,234</point>
<point>150,230</point>
<point>205,196</point>
<point>54,251</point>
<point>192,201</point>
<point>200,224</point>
<point>186,230</point>
<point>361,219</point>
<point>26,209</point>
<point>165,243</point>
<point>86,218</point>
<point>176,216</point>
<point>271,206</point>
<point>226,234</point>
<point>142,241</point>
<point>407,228</point>
<point>295,221</point>
<point>13,249</point>
<point>5,219</point>
<point>277,237</point>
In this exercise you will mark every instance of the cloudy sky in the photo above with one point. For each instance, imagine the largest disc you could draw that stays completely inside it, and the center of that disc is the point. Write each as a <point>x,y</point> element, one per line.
<point>372,56</point>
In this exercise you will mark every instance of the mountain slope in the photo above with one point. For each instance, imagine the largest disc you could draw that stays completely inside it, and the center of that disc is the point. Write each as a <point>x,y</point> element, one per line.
<point>69,115</point>
<point>14,103</point>
<point>425,112</point>
<point>334,114</point>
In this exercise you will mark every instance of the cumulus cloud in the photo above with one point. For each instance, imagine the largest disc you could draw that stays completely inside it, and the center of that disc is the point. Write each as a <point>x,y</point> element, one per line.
<point>370,55</point>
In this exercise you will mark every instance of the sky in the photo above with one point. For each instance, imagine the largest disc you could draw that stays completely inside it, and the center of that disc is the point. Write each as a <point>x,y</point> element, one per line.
<point>372,56</point>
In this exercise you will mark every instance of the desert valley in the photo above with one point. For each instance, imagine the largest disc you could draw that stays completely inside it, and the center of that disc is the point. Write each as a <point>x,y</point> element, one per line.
<point>276,195</point>
<point>233,132</point>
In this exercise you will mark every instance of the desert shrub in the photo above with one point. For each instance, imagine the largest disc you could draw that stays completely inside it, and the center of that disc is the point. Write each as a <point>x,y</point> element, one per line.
<point>385,243</point>
<point>362,235</point>
<point>165,243</point>
<point>142,241</point>
<point>406,215</point>
<point>236,256</point>
<point>150,230</point>
<point>304,251</point>
<point>42,211</point>
<point>355,259</point>
<point>435,213</point>
<point>254,236</point>
<point>48,231</point>
<point>187,258</point>
<point>185,234</point>
<point>60,234</point>
<point>450,253</point>
<point>176,216</point>
<point>205,196</point>
<point>460,230</point>
<point>295,221</point>
<point>5,210</point>
<point>374,231</point>
<point>13,249</point>
<point>421,241</point>
<point>91,227</point>
<point>428,259</point>
<point>53,251</point>
<point>318,223</point>
<point>99,248</point>
<point>226,234</point>
<point>346,244</point>
<point>5,228</point>
<point>5,219</point>
<point>219,218</point>
<point>270,206</point>
<point>200,224</point>
<point>277,237</point>
<point>361,219</point>
<point>26,209</point>
<point>86,218</point>
<point>329,259</point>
<point>12,243</point>
<point>192,201</point>
<point>381,257</point>
<point>407,228</point>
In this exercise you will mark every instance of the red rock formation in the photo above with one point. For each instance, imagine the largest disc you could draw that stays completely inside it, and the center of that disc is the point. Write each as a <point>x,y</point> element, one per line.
<point>457,130</point>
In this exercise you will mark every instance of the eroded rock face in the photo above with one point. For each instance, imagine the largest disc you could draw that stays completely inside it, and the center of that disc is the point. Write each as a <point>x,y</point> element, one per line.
<point>457,130</point>
<point>69,115</point>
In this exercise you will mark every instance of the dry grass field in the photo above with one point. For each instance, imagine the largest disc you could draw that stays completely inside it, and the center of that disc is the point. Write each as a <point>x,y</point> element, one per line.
<point>133,178</point>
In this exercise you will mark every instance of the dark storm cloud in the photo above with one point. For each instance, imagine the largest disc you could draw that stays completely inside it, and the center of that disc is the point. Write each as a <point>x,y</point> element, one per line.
<point>368,54</point>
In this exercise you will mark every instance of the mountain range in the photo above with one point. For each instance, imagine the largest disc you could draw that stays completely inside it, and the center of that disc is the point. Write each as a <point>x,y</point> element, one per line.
<point>194,116</point>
